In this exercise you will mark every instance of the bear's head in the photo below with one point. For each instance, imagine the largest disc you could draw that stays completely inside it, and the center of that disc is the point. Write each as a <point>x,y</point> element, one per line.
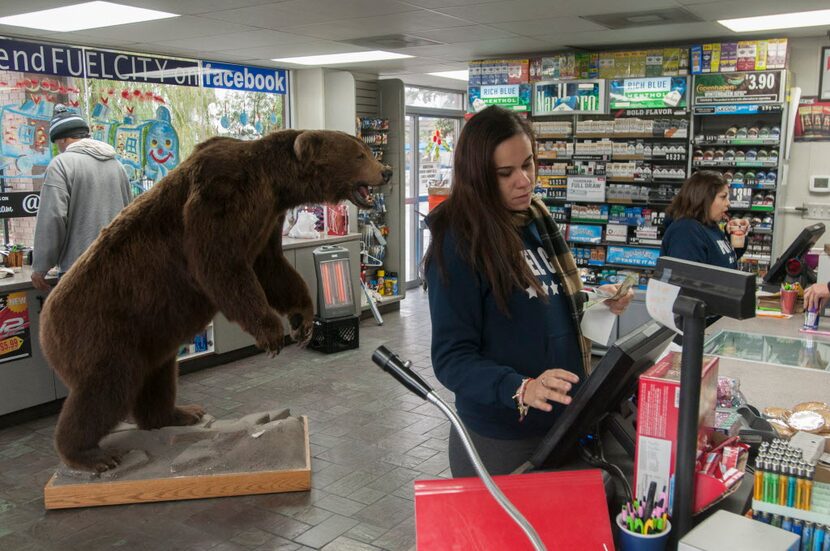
<point>341,165</point>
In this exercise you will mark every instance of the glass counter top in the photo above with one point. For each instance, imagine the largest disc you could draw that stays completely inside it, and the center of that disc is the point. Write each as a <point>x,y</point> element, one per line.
<point>809,351</point>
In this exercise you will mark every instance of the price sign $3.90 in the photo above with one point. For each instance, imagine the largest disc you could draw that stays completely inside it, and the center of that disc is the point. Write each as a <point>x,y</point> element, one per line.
<point>761,81</point>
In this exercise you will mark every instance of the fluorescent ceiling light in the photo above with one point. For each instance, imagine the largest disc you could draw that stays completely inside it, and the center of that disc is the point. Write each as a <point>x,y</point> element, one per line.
<point>457,75</point>
<point>89,15</point>
<point>779,21</point>
<point>335,59</point>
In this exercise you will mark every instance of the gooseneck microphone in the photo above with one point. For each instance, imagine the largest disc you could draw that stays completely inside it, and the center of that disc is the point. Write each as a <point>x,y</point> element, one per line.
<point>400,370</point>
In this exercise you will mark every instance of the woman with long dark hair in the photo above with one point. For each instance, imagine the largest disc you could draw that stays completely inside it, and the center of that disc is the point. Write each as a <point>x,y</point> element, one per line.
<point>693,229</point>
<point>504,295</point>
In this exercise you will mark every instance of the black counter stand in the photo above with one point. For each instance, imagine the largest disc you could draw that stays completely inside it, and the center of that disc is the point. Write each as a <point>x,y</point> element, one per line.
<point>704,291</point>
<point>693,312</point>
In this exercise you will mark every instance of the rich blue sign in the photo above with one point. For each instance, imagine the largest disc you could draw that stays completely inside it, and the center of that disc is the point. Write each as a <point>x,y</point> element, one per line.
<point>244,77</point>
<point>70,61</point>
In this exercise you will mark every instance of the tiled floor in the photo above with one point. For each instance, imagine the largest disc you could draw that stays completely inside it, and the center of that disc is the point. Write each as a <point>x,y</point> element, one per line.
<point>370,439</point>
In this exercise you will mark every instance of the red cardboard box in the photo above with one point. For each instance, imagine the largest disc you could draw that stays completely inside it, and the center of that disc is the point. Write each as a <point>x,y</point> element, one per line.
<point>657,414</point>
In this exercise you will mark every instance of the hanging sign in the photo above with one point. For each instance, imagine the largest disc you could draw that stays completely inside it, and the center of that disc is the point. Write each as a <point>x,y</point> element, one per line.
<point>586,188</point>
<point>244,77</point>
<point>19,204</point>
<point>749,87</point>
<point>69,61</point>
<point>745,109</point>
<point>648,93</point>
<point>514,97</point>
<point>633,256</point>
<point>568,96</point>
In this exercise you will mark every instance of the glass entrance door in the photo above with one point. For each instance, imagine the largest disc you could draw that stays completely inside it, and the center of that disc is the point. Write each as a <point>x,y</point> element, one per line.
<point>430,143</point>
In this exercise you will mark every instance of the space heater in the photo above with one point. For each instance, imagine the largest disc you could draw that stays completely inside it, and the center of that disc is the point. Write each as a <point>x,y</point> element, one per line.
<point>336,327</point>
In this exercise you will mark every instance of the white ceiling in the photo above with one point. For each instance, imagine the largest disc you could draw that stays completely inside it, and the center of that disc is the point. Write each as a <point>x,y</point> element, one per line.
<point>255,31</point>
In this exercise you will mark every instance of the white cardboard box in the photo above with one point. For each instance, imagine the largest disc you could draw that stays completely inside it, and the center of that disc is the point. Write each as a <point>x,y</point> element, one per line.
<point>725,531</point>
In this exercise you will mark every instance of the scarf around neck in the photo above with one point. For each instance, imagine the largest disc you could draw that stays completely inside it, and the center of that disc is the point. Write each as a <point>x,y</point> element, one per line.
<point>563,262</point>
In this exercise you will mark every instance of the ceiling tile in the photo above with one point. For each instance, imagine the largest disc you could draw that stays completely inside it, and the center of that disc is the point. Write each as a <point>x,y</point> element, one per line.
<point>193,7</point>
<point>302,47</point>
<point>250,39</point>
<point>349,29</point>
<point>465,51</point>
<point>713,11</point>
<point>464,34</point>
<point>269,16</point>
<point>691,32</point>
<point>346,9</point>
<point>153,31</point>
<point>541,27</point>
<point>396,65</point>
<point>520,10</point>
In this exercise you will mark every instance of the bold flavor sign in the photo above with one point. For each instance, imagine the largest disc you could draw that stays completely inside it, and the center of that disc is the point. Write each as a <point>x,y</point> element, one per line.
<point>750,87</point>
<point>648,93</point>
<point>15,340</point>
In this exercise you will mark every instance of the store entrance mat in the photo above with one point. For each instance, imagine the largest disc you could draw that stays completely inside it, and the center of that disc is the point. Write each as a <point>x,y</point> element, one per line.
<point>258,454</point>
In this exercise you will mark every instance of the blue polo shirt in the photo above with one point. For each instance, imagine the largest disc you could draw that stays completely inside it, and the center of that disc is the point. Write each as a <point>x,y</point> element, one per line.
<point>688,239</point>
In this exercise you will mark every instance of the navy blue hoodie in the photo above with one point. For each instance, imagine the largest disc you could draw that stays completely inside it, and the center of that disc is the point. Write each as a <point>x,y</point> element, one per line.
<point>688,239</point>
<point>482,355</point>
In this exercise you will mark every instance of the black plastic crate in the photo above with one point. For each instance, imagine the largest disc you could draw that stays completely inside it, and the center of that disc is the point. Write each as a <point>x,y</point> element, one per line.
<point>335,335</point>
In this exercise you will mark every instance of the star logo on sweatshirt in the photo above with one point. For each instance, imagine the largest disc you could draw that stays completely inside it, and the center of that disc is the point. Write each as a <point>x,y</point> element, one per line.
<point>554,289</point>
<point>531,292</point>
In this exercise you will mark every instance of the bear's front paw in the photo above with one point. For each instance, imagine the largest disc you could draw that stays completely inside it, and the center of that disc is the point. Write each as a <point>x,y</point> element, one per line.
<point>270,336</point>
<point>301,328</point>
<point>188,415</point>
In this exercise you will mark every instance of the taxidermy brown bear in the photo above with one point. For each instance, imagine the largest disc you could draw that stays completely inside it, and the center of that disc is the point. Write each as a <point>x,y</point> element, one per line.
<point>205,239</point>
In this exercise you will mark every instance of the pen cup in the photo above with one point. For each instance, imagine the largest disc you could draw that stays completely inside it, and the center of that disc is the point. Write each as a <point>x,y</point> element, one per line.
<point>634,541</point>
<point>788,300</point>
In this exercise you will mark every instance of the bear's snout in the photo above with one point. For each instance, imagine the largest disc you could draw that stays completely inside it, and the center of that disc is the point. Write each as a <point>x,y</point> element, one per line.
<point>386,175</point>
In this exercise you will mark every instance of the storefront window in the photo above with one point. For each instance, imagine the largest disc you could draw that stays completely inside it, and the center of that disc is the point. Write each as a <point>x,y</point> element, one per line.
<point>434,99</point>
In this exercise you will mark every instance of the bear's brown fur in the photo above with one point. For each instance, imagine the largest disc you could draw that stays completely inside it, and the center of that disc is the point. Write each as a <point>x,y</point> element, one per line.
<point>206,238</point>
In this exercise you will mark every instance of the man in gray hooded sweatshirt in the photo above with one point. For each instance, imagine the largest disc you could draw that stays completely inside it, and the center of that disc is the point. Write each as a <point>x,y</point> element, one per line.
<point>85,187</point>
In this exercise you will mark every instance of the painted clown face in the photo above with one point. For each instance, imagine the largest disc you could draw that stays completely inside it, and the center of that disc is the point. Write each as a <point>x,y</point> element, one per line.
<point>162,149</point>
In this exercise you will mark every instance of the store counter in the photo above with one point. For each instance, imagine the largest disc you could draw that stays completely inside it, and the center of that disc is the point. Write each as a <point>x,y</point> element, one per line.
<point>26,380</point>
<point>775,363</point>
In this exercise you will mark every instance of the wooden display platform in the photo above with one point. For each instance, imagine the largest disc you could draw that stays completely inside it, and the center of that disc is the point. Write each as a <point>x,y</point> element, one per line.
<point>98,493</point>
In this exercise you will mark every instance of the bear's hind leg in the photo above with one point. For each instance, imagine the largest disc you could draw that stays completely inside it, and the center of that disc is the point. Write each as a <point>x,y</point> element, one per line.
<point>88,414</point>
<point>155,406</point>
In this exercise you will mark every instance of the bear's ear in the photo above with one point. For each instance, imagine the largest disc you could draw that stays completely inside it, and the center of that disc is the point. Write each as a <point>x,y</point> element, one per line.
<point>308,145</point>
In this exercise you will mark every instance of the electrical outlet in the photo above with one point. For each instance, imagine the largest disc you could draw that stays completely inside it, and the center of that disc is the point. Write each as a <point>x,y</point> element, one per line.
<point>816,211</point>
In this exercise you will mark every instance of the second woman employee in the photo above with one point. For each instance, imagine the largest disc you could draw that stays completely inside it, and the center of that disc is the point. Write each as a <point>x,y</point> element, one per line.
<point>693,225</point>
